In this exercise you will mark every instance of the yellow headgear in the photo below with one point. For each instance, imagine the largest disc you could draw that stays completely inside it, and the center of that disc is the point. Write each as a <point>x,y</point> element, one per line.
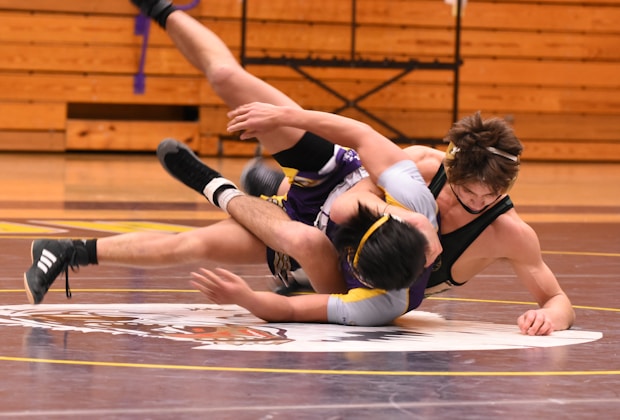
<point>369,232</point>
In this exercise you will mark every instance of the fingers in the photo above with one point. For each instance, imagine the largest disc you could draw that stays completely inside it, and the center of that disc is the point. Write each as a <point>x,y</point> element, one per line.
<point>240,123</point>
<point>237,123</point>
<point>238,117</point>
<point>433,251</point>
<point>240,110</point>
<point>432,254</point>
<point>208,283</point>
<point>220,286</point>
<point>248,134</point>
<point>227,273</point>
<point>535,322</point>
<point>251,120</point>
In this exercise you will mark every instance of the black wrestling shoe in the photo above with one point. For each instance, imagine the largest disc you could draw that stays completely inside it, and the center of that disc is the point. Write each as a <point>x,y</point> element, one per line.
<point>49,258</point>
<point>158,10</point>
<point>152,8</point>
<point>181,162</point>
<point>257,178</point>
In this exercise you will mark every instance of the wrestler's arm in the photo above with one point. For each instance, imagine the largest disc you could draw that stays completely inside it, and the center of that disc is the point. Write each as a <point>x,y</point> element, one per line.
<point>427,159</point>
<point>388,165</point>
<point>224,287</point>
<point>376,151</point>
<point>556,312</point>
<point>367,307</point>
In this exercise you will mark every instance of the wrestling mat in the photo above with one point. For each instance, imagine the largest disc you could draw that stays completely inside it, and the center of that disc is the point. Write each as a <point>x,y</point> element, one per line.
<point>230,327</point>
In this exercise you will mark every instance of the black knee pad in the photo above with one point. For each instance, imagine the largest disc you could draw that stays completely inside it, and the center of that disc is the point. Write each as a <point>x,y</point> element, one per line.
<point>310,153</point>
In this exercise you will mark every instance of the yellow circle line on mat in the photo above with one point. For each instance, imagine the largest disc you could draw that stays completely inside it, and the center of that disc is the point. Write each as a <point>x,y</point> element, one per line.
<point>57,290</point>
<point>512,302</point>
<point>305,371</point>
<point>589,254</point>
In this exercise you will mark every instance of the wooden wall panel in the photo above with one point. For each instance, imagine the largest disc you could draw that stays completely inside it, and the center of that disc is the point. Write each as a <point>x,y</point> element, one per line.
<point>216,8</point>
<point>93,60</point>
<point>23,27</point>
<point>32,116</point>
<point>32,140</point>
<point>127,135</point>
<point>96,88</point>
<point>589,151</point>
<point>551,67</point>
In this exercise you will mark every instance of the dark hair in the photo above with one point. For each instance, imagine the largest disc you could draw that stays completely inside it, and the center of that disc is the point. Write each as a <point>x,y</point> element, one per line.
<point>392,257</point>
<point>474,162</point>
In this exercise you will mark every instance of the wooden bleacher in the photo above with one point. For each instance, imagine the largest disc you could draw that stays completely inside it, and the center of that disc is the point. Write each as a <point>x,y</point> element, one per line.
<point>552,68</point>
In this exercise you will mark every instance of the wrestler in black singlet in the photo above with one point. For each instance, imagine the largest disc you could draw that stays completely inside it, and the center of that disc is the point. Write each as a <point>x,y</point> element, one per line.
<point>457,241</point>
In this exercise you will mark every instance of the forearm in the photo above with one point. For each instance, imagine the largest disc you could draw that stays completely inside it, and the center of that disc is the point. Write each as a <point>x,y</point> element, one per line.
<point>335,128</point>
<point>376,151</point>
<point>347,205</point>
<point>538,278</point>
<point>272,307</point>
<point>267,306</point>
<point>344,208</point>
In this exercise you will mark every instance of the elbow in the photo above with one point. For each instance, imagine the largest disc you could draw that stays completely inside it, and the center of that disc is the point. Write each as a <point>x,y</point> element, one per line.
<point>360,131</point>
<point>564,318</point>
<point>570,314</point>
<point>571,319</point>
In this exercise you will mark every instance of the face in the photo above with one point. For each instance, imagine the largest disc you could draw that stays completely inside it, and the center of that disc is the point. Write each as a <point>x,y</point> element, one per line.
<point>353,270</point>
<point>475,197</point>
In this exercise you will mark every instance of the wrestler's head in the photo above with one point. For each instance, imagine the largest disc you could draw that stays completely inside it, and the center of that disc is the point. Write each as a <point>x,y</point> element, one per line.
<point>381,250</point>
<point>482,160</point>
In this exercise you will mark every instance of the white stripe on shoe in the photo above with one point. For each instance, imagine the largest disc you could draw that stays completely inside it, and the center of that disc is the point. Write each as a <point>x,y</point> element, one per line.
<point>46,260</point>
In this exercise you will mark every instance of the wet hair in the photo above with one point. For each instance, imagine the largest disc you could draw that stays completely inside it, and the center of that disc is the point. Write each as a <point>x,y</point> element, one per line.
<point>481,150</point>
<point>392,256</point>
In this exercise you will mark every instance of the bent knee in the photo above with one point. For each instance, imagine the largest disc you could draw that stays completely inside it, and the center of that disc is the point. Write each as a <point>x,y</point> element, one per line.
<point>224,76</point>
<point>300,240</point>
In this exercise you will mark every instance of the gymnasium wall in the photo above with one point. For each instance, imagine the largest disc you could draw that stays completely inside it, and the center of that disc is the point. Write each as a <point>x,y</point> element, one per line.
<point>550,67</point>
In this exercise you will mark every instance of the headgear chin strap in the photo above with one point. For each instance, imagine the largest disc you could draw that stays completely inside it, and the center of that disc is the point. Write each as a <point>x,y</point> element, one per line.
<point>452,150</point>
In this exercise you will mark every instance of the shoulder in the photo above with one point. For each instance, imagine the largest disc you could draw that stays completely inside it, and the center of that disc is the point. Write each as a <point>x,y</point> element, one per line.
<point>513,223</point>
<point>517,237</point>
<point>421,153</point>
<point>426,158</point>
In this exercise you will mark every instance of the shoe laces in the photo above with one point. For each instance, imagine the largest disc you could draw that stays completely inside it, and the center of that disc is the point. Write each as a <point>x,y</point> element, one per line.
<point>72,263</point>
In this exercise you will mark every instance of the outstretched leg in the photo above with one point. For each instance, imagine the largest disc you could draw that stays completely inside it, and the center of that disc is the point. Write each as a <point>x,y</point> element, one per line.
<point>224,242</point>
<point>209,54</point>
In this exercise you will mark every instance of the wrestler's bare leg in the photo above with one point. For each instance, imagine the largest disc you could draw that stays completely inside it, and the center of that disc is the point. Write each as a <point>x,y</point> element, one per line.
<point>222,242</point>
<point>232,83</point>
<point>207,52</point>
<point>226,242</point>
<point>306,244</point>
